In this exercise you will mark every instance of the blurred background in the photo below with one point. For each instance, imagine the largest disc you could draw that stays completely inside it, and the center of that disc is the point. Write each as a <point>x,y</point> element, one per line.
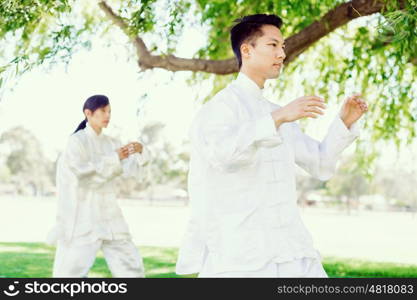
<point>158,62</point>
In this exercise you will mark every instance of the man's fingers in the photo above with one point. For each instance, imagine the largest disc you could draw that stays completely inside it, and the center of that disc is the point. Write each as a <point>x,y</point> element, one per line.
<point>355,97</point>
<point>365,107</point>
<point>362,101</point>
<point>362,104</point>
<point>315,110</point>
<point>314,98</point>
<point>310,115</point>
<point>317,103</point>
<point>359,100</point>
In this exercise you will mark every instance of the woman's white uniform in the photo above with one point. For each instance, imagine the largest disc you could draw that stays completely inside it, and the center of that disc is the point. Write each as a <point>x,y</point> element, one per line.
<point>89,218</point>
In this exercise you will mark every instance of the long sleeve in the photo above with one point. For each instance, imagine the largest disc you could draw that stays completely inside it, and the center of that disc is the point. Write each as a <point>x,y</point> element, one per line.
<point>95,171</point>
<point>66,183</point>
<point>319,159</point>
<point>225,142</point>
<point>133,166</point>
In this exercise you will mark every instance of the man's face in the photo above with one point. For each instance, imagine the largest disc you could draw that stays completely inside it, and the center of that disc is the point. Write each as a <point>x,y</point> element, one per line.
<point>265,55</point>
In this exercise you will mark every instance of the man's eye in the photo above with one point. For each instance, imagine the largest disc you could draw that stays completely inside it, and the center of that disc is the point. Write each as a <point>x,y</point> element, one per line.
<point>273,44</point>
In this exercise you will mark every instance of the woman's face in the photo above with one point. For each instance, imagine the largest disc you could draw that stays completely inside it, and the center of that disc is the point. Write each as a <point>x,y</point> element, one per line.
<point>100,118</point>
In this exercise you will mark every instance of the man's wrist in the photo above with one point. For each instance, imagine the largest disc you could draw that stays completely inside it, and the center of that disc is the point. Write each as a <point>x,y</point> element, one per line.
<point>278,117</point>
<point>348,123</point>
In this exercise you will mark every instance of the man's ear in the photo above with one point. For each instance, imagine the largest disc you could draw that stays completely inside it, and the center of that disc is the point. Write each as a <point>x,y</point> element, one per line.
<point>245,50</point>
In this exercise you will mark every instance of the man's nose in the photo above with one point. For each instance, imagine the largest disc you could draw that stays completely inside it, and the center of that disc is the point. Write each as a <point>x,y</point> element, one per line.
<point>281,54</point>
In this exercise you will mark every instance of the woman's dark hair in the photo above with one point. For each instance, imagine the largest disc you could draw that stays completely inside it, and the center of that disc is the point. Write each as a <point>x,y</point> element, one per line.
<point>249,28</point>
<point>93,103</point>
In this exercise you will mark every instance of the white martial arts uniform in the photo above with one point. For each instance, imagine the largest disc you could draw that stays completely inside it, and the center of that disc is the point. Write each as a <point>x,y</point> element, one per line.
<point>89,217</point>
<point>244,216</point>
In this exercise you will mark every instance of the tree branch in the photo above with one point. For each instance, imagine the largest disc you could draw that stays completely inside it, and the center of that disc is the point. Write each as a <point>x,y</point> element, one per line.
<point>295,45</point>
<point>141,49</point>
<point>335,18</point>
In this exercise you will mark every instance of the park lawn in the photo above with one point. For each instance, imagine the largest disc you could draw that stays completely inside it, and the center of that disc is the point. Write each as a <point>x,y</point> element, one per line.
<point>35,260</point>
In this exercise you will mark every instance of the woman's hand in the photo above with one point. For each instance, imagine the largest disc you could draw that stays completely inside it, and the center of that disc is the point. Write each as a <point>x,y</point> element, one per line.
<point>123,152</point>
<point>135,147</point>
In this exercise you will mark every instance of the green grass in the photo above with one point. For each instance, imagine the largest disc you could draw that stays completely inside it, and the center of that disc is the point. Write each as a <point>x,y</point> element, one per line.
<point>338,267</point>
<point>35,260</point>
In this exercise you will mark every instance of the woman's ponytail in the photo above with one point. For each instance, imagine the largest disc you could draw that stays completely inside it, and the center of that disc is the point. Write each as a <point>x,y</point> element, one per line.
<point>82,125</point>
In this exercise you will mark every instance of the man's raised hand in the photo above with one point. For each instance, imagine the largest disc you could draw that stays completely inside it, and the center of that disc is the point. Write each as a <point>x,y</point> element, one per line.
<point>303,107</point>
<point>352,109</point>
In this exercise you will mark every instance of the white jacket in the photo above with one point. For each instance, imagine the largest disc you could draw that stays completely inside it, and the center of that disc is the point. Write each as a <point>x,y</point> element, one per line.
<point>86,179</point>
<point>242,182</point>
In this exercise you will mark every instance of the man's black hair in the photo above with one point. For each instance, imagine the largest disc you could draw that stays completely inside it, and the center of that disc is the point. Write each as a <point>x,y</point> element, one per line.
<point>249,28</point>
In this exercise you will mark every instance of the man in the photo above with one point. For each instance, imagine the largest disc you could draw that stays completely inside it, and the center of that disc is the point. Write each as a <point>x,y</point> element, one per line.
<point>244,220</point>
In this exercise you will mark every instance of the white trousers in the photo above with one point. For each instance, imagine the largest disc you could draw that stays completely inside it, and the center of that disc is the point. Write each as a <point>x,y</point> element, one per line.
<point>304,267</point>
<point>75,260</point>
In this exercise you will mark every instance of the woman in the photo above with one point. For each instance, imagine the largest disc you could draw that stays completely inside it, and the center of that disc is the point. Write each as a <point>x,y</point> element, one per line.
<point>89,218</point>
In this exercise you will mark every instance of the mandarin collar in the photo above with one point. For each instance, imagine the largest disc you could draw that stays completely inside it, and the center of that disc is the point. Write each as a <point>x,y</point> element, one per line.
<point>248,85</point>
<point>89,130</point>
